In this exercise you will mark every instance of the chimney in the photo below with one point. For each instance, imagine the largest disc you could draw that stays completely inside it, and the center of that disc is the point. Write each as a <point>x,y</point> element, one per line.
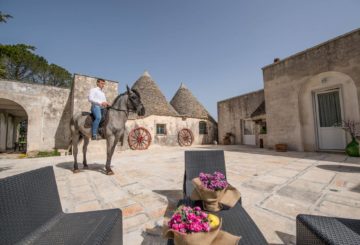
<point>276,60</point>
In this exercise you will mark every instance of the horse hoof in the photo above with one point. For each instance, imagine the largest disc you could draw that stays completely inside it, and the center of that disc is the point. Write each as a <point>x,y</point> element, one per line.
<point>86,167</point>
<point>76,171</point>
<point>109,172</point>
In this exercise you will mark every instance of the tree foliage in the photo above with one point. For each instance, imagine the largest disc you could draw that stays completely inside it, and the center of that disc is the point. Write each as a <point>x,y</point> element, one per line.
<point>4,17</point>
<point>18,62</point>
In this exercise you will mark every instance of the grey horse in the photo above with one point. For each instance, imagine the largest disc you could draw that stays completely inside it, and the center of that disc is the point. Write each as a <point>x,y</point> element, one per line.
<point>117,116</point>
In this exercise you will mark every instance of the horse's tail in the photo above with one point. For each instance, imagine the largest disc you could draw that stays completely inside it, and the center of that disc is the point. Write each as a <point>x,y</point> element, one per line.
<point>72,130</point>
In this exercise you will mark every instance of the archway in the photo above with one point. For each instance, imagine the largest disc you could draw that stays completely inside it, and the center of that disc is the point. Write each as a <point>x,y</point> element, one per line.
<point>13,127</point>
<point>326,82</point>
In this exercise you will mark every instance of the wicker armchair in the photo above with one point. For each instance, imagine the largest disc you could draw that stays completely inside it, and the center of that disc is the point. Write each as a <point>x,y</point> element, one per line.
<point>31,213</point>
<point>235,220</point>
<point>312,229</point>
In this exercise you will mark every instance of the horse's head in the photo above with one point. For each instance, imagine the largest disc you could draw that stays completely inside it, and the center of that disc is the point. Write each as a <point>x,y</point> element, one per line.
<point>134,101</point>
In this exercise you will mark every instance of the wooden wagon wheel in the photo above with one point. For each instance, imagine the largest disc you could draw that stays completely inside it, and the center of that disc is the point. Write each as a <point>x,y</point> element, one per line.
<point>185,137</point>
<point>139,139</point>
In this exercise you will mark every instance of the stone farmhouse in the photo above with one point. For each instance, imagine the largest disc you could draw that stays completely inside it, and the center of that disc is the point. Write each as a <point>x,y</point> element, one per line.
<point>165,120</point>
<point>48,111</point>
<point>305,96</point>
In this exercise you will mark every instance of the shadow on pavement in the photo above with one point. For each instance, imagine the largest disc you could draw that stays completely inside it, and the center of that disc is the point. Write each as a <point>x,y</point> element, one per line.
<point>287,239</point>
<point>97,167</point>
<point>340,168</point>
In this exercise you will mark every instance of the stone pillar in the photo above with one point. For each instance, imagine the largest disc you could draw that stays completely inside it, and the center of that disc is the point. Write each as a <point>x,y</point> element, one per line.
<point>17,121</point>
<point>3,128</point>
<point>10,132</point>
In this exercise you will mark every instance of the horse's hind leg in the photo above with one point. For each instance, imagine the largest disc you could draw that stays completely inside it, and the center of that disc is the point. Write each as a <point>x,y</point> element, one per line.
<point>86,143</point>
<point>75,141</point>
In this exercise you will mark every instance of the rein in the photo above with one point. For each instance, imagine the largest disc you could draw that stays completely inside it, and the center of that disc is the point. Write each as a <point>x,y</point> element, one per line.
<point>117,109</point>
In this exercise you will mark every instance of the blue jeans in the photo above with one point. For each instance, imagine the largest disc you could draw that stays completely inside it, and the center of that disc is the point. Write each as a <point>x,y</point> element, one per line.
<point>96,110</point>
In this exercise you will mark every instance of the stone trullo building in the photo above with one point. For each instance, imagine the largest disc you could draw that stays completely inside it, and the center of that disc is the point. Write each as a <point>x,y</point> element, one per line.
<point>306,96</point>
<point>164,121</point>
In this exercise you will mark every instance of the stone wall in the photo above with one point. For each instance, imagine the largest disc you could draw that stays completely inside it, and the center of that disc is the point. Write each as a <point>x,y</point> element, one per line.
<point>232,111</point>
<point>44,106</point>
<point>81,88</point>
<point>289,85</point>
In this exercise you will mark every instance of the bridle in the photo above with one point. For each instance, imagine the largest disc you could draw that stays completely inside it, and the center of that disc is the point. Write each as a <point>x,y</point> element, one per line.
<point>124,110</point>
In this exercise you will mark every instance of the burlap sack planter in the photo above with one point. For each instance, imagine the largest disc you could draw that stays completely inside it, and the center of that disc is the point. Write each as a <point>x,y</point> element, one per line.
<point>214,200</point>
<point>214,237</point>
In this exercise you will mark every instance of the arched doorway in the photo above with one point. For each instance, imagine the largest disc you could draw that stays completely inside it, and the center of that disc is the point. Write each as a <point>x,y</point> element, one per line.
<point>13,127</point>
<point>325,100</point>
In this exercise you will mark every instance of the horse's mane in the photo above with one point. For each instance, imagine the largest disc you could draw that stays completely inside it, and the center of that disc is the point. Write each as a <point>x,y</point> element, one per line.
<point>122,94</point>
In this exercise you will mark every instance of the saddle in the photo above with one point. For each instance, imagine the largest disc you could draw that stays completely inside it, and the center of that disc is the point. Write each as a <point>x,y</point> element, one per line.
<point>90,118</point>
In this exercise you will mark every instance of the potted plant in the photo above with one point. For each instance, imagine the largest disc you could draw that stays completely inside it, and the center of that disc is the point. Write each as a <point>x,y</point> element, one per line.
<point>281,147</point>
<point>352,127</point>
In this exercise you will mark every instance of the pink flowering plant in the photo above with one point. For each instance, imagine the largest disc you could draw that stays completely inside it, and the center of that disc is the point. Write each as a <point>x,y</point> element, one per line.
<point>189,220</point>
<point>215,181</point>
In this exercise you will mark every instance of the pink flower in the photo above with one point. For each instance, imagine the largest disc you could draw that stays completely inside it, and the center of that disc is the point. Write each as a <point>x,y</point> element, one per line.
<point>187,220</point>
<point>215,182</point>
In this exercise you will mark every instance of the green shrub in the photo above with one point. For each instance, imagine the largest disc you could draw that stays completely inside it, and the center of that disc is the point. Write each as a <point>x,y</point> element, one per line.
<point>48,153</point>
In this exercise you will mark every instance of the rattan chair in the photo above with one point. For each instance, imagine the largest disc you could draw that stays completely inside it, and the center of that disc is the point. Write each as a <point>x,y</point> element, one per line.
<point>312,229</point>
<point>31,213</point>
<point>235,220</point>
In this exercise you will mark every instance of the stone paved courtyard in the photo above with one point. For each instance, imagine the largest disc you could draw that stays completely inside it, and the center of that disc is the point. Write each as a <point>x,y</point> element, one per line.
<point>275,186</point>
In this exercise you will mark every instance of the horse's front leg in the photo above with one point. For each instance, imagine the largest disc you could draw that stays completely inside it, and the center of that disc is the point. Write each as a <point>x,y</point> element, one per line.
<point>86,143</point>
<point>110,147</point>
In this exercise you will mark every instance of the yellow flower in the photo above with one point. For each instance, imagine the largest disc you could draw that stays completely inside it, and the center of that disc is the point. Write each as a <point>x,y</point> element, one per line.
<point>214,221</point>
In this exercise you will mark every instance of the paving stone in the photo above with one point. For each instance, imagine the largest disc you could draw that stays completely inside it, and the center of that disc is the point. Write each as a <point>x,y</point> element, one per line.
<point>75,182</point>
<point>284,172</point>
<point>124,180</point>
<point>272,179</point>
<point>318,175</point>
<point>84,196</point>
<point>284,228</point>
<point>285,206</point>
<point>123,202</point>
<point>259,185</point>
<point>339,210</point>
<point>88,206</point>
<point>134,222</point>
<point>302,190</point>
<point>134,189</point>
<point>132,210</point>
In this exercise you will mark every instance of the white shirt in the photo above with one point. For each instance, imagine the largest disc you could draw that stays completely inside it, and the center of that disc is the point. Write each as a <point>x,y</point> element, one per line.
<point>96,96</point>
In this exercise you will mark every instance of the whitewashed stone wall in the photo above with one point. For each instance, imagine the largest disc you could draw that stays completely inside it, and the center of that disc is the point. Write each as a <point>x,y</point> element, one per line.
<point>173,126</point>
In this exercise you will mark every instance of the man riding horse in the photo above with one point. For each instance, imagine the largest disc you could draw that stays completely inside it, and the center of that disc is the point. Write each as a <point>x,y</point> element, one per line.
<point>113,127</point>
<point>98,102</point>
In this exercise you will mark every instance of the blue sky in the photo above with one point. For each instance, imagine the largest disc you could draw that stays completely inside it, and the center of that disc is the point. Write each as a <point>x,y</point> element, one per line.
<point>217,48</point>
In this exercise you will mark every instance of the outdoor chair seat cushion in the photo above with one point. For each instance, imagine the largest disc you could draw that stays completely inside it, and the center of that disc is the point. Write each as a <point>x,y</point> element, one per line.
<point>79,228</point>
<point>313,229</point>
<point>31,213</point>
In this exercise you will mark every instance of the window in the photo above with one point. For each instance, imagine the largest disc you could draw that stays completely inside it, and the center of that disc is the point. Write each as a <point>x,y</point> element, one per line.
<point>329,109</point>
<point>263,128</point>
<point>160,128</point>
<point>249,127</point>
<point>202,128</point>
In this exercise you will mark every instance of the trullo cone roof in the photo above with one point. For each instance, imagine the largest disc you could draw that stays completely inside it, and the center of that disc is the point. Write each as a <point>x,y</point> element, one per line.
<point>185,103</point>
<point>153,99</point>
